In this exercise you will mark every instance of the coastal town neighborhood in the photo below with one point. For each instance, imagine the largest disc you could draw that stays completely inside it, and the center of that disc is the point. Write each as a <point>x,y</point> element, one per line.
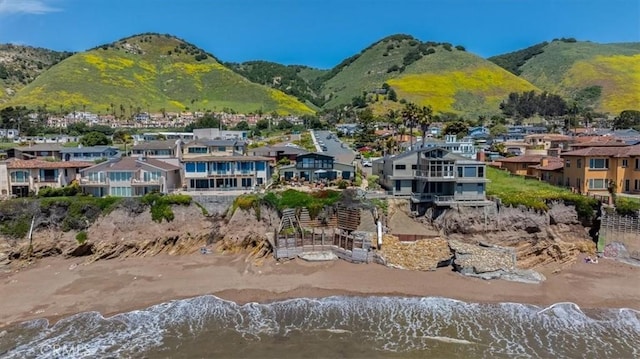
<point>441,170</point>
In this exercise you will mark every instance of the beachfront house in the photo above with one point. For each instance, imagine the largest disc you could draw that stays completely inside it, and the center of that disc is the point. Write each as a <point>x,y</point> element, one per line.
<point>208,147</point>
<point>23,177</point>
<point>130,177</point>
<point>434,176</point>
<point>316,166</point>
<point>224,173</point>
<point>89,154</point>
<point>595,170</point>
<point>43,151</point>
<point>157,149</point>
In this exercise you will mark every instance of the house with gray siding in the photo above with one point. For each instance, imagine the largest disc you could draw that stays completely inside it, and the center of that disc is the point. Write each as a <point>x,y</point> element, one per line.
<point>89,153</point>
<point>434,176</point>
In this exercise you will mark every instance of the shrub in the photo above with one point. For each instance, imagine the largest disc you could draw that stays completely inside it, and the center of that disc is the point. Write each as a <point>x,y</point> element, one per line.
<point>81,237</point>
<point>161,205</point>
<point>627,206</point>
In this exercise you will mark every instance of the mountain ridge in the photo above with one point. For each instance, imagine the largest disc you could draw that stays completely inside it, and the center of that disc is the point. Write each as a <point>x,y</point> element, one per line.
<point>436,73</point>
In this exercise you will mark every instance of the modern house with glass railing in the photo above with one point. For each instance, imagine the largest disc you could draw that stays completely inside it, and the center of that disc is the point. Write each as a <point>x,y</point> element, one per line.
<point>224,173</point>
<point>434,176</point>
<point>130,177</point>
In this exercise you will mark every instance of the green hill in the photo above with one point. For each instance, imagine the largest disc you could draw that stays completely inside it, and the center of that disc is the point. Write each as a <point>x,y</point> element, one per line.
<point>151,72</point>
<point>295,80</point>
<point>603,76</point>
<point>19,65</point>
<point>447,78</point>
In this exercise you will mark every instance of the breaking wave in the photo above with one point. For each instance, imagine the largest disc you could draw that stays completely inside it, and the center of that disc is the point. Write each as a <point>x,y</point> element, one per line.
<point>369,326</point>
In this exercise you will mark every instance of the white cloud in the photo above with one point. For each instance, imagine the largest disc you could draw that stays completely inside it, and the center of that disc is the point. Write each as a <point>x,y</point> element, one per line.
<point>36,7</point>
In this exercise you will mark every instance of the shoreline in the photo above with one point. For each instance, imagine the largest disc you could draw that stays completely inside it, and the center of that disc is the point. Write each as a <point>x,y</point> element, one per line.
<point>56,288</point>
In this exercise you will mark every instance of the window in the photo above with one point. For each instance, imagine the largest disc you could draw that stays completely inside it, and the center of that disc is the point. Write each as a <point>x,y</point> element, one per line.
<point>567,164</point>
<point>221,148</point>
<point>401,167</point>
<point>96,176</point>
<point>19,176</point>
<point>260,166</point>
<point>638,163</point>
<point>190,167</point>
<point>152,176</point>
<point>120,191</point>
<point>636,185</point>
<point>459,171</point>
<point>481,172</point>
<point>597,184</point>
<point>599,163</point>
<point>579,163</point>
<point>470,171</point>
<point>625,163</point>
<point>120,176</point>
<point>398,185</point>
<point>197,150</point>
<point>414,167</point>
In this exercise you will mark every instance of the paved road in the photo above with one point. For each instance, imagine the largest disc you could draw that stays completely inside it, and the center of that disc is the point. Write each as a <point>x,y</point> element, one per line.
<point>342,155</point>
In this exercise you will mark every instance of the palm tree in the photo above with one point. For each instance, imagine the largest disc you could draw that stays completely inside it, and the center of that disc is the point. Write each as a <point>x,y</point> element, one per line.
<point>424,120</point>
<point>410,116</point>
<point>394,120</point>
<point>390,145</point>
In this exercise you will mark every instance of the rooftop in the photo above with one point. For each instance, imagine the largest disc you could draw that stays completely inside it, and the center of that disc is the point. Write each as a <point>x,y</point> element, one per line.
<point>36,164</point>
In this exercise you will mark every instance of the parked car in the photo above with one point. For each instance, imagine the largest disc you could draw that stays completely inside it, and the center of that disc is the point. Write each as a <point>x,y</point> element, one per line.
<point>324,148</point>
<point>366,163</point>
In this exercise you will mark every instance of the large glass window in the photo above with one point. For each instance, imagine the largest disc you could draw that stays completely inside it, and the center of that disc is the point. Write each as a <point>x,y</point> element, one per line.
<point>19,176</point>
<point>96,176</point>
<point>599,163</point>
<point>120,176</point>
<point>120,191</point>
<point>470,171</point>
<point>597,184</point>
<point>152,176</point>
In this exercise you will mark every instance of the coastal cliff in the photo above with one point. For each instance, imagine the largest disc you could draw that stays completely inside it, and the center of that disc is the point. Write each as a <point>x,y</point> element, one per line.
<point>538,238</point>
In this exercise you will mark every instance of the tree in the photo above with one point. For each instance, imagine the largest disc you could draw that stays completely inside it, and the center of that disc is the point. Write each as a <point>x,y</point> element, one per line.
<point>95,139</point>
<point>410,117</point>
<point>627,119</point>
<point>392,95</point>
<point>208,121</point>
<point>424,121</point>
<point>242,126</point>
<point>497,129</point>
<point>458,128</point>
<point>262,124</point>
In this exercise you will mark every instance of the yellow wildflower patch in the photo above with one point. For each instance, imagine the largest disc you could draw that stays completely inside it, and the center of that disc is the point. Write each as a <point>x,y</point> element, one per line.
<point>618,75</point>
<point>439,89</point>
<point>288,104</point>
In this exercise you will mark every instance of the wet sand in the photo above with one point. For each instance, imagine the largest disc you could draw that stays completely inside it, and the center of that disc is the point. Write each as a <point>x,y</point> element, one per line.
<point>54,288</point>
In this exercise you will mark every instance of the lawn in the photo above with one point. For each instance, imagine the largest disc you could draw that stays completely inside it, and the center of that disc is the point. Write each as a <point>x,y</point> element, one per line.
<point>516,190</point>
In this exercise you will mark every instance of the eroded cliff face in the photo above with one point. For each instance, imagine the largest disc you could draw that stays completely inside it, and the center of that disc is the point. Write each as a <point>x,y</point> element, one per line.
<point>129,231</point>
<point>553,238</point>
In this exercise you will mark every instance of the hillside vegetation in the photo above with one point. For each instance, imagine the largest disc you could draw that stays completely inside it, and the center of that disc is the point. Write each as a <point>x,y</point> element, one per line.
<point>19,65</point>
<point>605,77</point>
<point>151,72</point>
<point>447,78</point>
<point>294,80</point>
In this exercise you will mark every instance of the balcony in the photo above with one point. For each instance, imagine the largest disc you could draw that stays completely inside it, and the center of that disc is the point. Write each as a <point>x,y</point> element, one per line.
<point>143,182</point>
<point>449,200</point>
<point>440,175</point>
<point>91,182</point>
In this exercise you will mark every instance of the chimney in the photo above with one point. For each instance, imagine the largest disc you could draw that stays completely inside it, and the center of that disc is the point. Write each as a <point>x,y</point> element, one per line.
<point>481,156</point>
<point>544,161</point>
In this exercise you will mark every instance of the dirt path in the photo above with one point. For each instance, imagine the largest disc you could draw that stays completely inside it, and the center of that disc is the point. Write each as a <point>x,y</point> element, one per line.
<point>400,221</point>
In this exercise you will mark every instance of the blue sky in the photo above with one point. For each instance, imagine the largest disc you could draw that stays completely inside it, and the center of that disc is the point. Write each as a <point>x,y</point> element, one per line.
<point>318,33</point>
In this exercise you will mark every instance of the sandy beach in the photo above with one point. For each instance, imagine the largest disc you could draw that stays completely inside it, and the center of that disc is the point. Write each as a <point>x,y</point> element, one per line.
<point>54,288</point>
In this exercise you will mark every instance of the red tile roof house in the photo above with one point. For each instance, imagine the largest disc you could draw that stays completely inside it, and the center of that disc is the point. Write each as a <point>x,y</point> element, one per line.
<point>29,176</point>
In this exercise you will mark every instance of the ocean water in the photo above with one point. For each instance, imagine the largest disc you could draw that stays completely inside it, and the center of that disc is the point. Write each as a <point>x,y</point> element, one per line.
<point>333,327</point>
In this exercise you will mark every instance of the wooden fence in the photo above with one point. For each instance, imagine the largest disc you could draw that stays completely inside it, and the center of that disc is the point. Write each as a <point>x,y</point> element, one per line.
<point>623,230</point>
<point>353,247</point>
